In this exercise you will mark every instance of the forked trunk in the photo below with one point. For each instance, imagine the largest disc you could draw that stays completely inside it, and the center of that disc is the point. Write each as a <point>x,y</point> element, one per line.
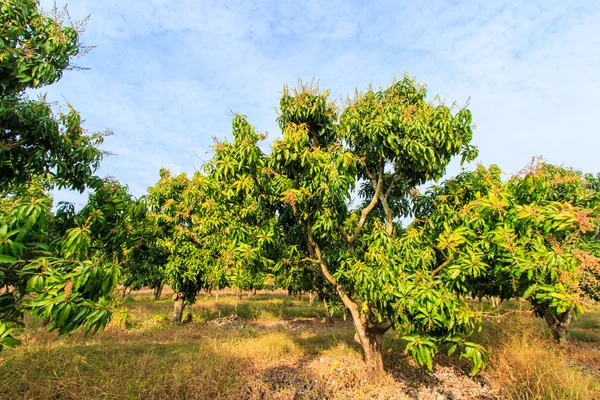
<point>158,292</point>
<point>558,323</point>
<point>178,307</point>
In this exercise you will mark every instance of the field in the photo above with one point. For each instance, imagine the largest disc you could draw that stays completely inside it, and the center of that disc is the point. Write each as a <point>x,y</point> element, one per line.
<point>271,345</point>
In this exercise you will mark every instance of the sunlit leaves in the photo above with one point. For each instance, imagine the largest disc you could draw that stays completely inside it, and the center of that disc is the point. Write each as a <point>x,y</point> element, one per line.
<point>60,266</point>
<point>417,137</point>
<point>35,49</point>
<point>385,142</point>
<point>520,238</point>
<point>6,339</point>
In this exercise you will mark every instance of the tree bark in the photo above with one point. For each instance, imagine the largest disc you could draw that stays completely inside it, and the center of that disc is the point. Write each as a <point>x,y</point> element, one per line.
<point>158,292</point>
<point>495,300</point>
<point>372,345</point>
<point>557,323</point>
<point>178,307</point>
<point>311,298</point>
<point>299,295</point>
<point>369,336</point>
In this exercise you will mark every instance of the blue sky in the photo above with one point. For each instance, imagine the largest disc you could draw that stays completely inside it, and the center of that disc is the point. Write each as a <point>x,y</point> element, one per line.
<point>165,74</point>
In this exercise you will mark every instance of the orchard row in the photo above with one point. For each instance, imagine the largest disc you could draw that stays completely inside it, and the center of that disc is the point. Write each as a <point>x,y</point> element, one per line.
<point>319,212</point>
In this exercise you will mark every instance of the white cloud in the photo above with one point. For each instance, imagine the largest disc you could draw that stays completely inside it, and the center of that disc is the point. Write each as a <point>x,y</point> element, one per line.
<point>165,74</point>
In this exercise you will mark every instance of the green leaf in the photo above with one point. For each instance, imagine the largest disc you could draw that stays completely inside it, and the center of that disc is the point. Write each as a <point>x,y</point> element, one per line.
<point>5,259</point>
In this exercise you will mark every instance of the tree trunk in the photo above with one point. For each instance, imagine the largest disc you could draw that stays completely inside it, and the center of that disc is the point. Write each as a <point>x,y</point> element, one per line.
<point>372,345</point>
<point>311,298</point>
<point>328,316</point>
<point>299,295</point>
<point>369,335</point>
<point>495,300</point>
<point>178,309</point>
<point>558,323</point>
<point>158,292</point>
<point>124,292</point>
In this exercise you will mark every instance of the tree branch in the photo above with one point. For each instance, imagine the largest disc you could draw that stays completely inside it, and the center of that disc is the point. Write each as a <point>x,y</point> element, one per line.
<point>316,252</point>
<point>441,267</point>
<point>389,216</point>
<point>395,178</point>
<point>365,211</point>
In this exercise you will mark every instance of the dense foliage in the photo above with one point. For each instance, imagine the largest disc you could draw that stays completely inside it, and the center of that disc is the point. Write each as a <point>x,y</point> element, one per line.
<point>532,236</point>
<point>41,257</point>
<point>330,193</point>
<point>35,50</point>
<point>319,213</point>
<point>381,145</point>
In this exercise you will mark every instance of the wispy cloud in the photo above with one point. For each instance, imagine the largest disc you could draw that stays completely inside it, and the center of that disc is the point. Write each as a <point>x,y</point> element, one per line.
<point>165,74</point>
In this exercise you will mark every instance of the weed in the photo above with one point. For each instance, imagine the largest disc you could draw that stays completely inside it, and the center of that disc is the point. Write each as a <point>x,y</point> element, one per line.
<point>160,319</point>
<point>121,319</point>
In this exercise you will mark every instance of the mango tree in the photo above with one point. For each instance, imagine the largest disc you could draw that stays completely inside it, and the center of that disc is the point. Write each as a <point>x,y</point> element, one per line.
<point>40,150</point>
<point>530,236</point>
<point>332,190</point>
<point>175,203</point>
<point>237,221</point>
<point>145,258</point>
<point>97,240</point>
<point>35,50</point>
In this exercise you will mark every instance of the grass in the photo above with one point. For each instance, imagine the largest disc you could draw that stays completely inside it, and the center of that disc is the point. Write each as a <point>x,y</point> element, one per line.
<point>274,346</point>
<point>526,364</point>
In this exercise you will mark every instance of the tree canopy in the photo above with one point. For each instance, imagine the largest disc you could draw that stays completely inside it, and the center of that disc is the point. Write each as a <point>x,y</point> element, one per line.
<point>332,189</point>
<point>330,193</point>
<point>531,236</point>
<point>40,150</point>
<point>319,212</point>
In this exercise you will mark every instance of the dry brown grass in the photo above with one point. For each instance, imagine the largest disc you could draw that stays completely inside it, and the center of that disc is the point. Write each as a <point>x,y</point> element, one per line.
<point>269,347</point>
<point>527,364</point>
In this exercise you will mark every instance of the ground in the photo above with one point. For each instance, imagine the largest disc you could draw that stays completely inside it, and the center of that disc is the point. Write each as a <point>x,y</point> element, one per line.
<point>272,346</point>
